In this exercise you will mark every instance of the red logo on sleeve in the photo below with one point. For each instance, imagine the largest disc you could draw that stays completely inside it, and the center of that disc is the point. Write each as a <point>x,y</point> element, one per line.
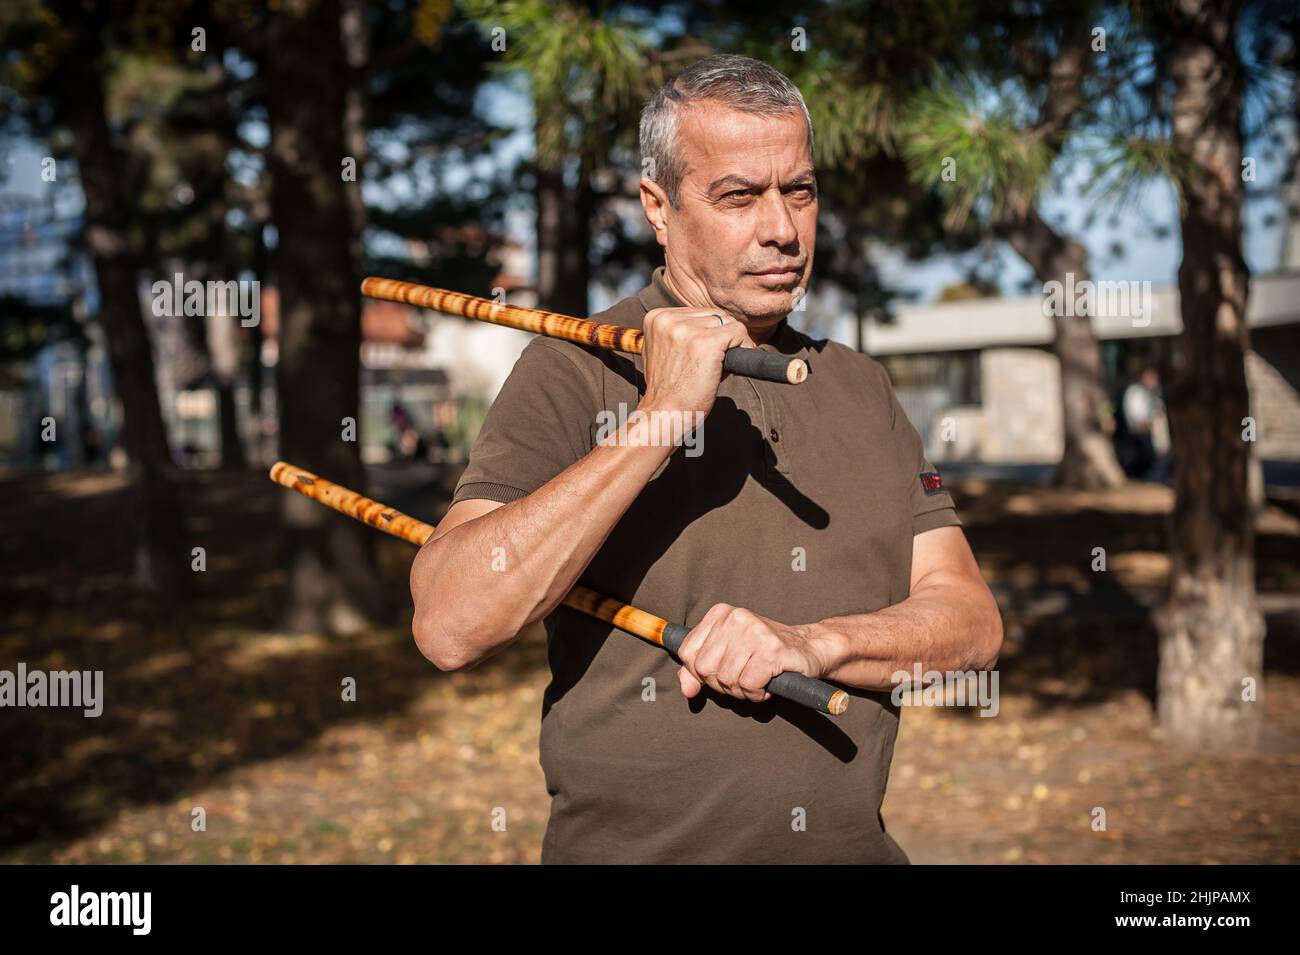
<point>931,482</point>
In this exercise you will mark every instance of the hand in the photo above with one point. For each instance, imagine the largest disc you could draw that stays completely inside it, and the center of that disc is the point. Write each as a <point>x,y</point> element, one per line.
<point>683,357</point>
<point>737,653</point>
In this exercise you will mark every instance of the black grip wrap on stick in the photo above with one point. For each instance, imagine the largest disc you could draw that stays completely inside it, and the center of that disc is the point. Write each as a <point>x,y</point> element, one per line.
<point>817,694</point>
<point>764,365</point>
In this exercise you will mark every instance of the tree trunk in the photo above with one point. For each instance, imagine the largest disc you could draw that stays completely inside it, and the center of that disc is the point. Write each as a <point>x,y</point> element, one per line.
<point>161,555</point>
<point>1211,631</point>
<point>563,243</point>
<point>256,370</point>
<point>549,196</point>
<point>223,340</point>
<point>224,357</point>
<point>1088,460</point>
<point>356,51</point>
<point>333,584</point>
<point>563,229</point>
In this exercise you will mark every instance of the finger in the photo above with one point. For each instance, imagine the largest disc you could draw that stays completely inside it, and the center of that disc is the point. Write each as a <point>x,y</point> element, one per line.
<point>720,321</point>
<point>709,653</point>
<point>706,651</point>
<point>726,651</point>
<point>690,686</point>
<point>755,677</point>
<point>730,646</point>
<point>730,334</point>
<point>705,334</point>
<point>731,669</point>
<point>695,640</point>
<point>694,318</point>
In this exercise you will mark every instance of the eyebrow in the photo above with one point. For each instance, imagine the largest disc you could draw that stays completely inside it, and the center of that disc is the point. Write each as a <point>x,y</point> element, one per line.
<point>733,180</point>
<point>803,178</point>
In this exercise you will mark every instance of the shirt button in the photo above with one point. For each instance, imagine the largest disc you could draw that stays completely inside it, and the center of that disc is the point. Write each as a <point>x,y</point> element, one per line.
<point>774,436</point>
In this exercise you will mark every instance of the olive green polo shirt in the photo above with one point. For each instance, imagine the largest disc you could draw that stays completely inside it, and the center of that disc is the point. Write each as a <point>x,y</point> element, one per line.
<point>802,506</point>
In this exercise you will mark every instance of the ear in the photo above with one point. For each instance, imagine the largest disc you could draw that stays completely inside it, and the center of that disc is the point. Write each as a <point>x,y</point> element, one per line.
<point>655,203</point>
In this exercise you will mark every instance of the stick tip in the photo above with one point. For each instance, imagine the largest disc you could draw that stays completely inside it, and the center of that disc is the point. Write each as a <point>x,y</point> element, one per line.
<point>282,472</point>
<point>796,371</point>
<point>838,703</point>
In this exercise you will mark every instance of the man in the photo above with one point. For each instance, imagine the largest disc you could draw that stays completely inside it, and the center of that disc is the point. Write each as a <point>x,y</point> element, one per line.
<point>1141,409</point>
<point>810,535</point>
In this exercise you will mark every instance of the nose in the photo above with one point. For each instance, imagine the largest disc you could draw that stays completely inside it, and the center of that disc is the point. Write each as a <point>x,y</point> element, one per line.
<point>776,225</point>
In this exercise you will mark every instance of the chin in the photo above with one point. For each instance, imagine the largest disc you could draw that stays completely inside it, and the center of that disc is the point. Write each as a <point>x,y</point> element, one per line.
<point>771,303</point>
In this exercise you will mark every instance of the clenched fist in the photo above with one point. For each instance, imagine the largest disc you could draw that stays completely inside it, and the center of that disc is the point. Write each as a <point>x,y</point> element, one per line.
<point>737,653</point>
<point>683,357</point>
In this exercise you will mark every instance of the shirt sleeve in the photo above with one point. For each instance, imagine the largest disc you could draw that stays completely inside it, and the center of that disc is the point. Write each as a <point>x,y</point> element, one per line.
<point>932,504</point>
<point>539,424</point>
<point>931,508</point>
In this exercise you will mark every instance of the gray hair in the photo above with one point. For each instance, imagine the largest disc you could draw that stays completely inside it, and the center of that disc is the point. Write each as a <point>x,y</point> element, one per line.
<point>735,81</point>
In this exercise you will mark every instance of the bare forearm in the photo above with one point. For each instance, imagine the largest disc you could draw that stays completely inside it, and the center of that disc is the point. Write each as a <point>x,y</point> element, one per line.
<point>950,624</point>
<point>483,582</point>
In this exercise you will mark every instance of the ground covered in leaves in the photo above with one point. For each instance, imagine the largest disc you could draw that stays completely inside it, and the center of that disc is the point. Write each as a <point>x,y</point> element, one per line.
<point>211,706</point>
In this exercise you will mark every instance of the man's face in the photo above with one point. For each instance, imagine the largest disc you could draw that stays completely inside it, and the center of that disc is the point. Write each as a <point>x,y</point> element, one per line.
<point>742,234</point>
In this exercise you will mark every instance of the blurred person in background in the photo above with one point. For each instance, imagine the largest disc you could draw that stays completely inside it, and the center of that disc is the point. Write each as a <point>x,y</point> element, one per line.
<point>409,443</point>
<point>1142,420</point>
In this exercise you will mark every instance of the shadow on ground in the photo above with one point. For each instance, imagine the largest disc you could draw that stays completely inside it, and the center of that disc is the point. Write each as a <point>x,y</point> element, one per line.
<point>193,687</point>
<point>1078,574</point>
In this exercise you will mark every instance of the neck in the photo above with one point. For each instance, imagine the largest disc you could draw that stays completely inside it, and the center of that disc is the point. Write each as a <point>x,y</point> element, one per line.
<point>692,295</point>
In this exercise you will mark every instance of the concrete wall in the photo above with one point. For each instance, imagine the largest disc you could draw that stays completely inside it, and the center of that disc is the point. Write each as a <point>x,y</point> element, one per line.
<point>1019,421</point>
<point>1273,375</point>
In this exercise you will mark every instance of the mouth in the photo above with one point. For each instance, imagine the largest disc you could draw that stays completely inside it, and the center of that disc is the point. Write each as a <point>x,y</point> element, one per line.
<point>777,277</point>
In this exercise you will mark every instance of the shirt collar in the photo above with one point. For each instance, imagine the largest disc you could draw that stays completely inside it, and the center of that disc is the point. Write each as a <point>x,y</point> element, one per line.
<point>657,295</point>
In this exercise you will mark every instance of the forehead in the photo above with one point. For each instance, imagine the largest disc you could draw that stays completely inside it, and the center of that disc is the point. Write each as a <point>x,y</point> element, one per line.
<point>714,140</point>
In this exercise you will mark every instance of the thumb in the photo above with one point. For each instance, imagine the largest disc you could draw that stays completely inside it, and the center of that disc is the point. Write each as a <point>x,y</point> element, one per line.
<point>690,685</point>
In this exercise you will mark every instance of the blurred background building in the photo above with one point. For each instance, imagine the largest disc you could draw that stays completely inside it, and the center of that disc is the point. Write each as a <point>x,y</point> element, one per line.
<point>982,365</point>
